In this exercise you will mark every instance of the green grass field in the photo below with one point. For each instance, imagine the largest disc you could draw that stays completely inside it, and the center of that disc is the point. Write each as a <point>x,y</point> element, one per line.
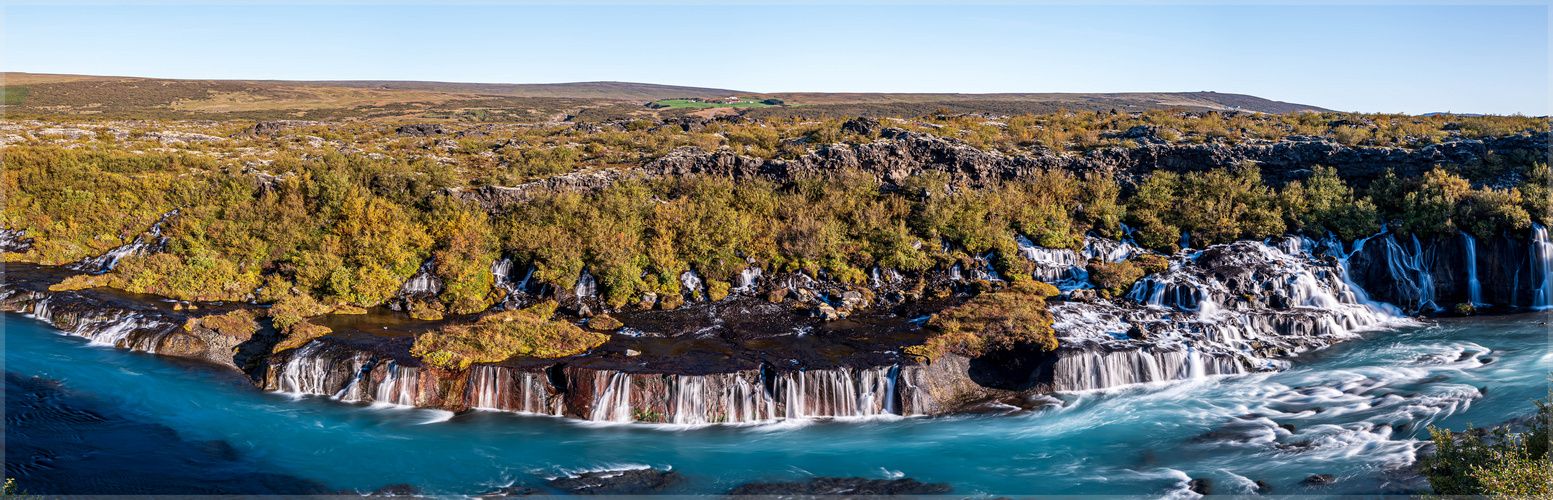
<point>13,95</point>
<point>685,103</point>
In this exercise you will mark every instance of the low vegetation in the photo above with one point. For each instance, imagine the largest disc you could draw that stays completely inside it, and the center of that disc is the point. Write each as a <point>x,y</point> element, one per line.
<point>991,321</point>
<point>497,337</point>
<point>239,324</point>
<point>1112,279</point>
<point>1493,463</point>
<point>317,217</point>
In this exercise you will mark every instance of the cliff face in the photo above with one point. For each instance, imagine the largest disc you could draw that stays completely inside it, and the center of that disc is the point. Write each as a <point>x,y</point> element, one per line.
<point>1434,274</point>
<point>901,154</point>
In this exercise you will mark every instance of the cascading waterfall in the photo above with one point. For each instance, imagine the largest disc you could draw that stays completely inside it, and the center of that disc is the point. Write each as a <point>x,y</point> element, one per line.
<point>395,384</point>
<point>106,262</point>
<point>1411,270</point>
<point>1061,267</point>
<point>424,281</point>
<point>614,404</point>
<point>736,397</point>
<point>503,388</point>
<point>1541,268</point>
<point>1474,289</point>
<point>587,286</point>
<point>1205,316</point>
<point>692,283</point>
<point>749,278</point>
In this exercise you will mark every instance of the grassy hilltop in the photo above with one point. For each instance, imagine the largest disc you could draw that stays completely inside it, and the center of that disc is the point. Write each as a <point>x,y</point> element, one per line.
<point>43,96</point>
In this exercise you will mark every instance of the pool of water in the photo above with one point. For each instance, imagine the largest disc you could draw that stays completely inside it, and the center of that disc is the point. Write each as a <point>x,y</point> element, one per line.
<point>1356,411</point>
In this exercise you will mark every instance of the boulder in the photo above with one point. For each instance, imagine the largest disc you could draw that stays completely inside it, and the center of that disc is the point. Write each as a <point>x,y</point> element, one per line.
<point>844,486</point>
<point>1201,486</point>
<point>1320,479</point>
<point>617,482</point>
<point>421,129</point>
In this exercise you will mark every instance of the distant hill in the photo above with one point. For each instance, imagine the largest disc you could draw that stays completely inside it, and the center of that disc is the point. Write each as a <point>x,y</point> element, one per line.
<point>45,95</point>
<point>587,90</point>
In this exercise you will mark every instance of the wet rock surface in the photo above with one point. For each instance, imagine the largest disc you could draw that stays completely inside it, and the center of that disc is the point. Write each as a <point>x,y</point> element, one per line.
<point>844,486</point>
<point>618,482</point>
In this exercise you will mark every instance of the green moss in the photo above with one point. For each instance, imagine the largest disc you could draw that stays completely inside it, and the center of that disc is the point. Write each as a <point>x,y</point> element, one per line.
<point>1113,278</point>
<point>603,322</point>
<point>992,321</point>
<point>497,337</point>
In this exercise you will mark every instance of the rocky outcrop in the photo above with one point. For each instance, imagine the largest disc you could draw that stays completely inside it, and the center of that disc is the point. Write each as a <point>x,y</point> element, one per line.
<point>493,198</point>
<point>902,154</point>
<point>273,127</point>
<point>1431,275</point>
<point>108,319</point>
<point>618,482</point>
<point>420,129</point>
<point>844,486</point>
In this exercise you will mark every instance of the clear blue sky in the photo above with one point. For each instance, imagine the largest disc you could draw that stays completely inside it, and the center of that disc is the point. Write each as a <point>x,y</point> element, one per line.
<point>1411,59</point>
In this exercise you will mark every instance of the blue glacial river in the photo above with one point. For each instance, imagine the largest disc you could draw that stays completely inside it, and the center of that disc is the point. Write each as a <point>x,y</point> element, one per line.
<point>1357,411</point>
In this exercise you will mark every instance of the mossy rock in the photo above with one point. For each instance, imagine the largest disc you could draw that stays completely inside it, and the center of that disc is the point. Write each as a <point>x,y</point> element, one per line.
<point>604,322</point>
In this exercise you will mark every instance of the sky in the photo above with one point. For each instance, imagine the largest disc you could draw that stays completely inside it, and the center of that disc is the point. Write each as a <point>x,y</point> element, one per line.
<point>1374,58</point>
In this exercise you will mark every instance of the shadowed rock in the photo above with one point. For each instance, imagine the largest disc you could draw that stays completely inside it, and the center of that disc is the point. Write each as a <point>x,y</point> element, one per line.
<point>844,486</point>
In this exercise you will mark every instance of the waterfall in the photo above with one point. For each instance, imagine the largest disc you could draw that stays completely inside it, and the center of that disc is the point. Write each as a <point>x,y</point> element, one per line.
<point>587,286</point>
<point>107,261</point>
<point>1110,250</point>
<point>1541,253</point>
<point>1058,266</point>
<point>423,281</point>
<point>748,279</point>
<point>692,283</point>
<point>507,389</point>
<point>614,404</point>
<point>1411,271</point>
<point>1253,302</point>
<point>1083,370</point>
<point>1474,290</point>
<point>395,384</point>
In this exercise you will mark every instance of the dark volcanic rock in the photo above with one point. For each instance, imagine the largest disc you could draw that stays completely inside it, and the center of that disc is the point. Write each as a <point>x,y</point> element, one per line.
<point>1201,486</point>
<point>618,482</point>
<point>1320,479</point>
<point>396,490</point>
<point>904,154</point>
<point>844,486</point>
<point>421,129</point>
<point>514,491</point>
<point>861,126</point>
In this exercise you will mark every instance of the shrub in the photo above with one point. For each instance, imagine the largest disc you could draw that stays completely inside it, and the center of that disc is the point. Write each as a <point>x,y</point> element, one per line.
<point>717,290</point>
<point>1491,462</point>
<point>239,324</point>
<point>1151,264</point>
<point>1113,278</point>
<point>293,309</point>
<point>80,282</point>
<point>992,321</point>
<point>497,337</point>
<point>603,322</point>
<point>300,334</point>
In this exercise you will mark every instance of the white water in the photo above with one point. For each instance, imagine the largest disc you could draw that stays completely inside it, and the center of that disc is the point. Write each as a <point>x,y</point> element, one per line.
<point>1197,325</point>
<point>587,286</point>
<point>614,404</point>
<point>423,281</point>
<point>1474,289</point>
<point>1541,253</point>
<point>505,389</point>
<point>1411,270</point>
<point>147,242</point>
<point>692,283</point>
